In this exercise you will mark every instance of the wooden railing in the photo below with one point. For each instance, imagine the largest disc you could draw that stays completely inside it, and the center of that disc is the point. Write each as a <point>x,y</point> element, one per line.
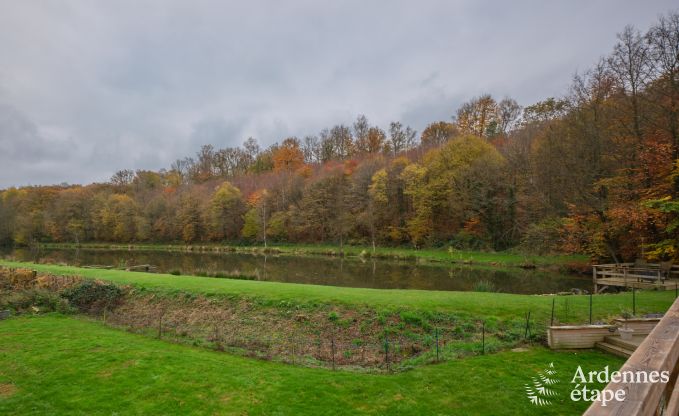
<point>658,352</point>
<point>649,271</point>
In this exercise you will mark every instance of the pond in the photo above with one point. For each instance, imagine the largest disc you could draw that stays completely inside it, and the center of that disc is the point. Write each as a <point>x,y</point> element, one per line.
<point>321,270</point>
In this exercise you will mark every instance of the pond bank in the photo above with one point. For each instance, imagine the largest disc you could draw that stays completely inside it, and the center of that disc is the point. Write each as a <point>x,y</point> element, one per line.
<point>564,263</point>
<point>330,270</point>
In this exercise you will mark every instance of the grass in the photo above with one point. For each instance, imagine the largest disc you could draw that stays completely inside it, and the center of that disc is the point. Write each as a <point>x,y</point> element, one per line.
<point>53,364</point>
<point>430,254</point>
<point>479,305</point>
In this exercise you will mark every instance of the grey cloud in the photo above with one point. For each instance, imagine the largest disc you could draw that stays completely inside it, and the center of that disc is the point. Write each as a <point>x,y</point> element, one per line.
<point>218,132</point>
<point>137,84</point>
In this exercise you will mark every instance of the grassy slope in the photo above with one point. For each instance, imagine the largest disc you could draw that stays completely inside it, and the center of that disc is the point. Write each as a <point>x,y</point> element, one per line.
<point>60,365</point>
<point>470,303</point>
<point>432,254</point>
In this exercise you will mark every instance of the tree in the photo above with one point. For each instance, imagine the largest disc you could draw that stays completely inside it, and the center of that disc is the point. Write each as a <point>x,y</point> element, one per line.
<point>508,112</point>
<point>252,149</point>
<point>311,149</point>
<point>420,225</point>
<point>361,127</point>
<point>663,43</point>
<point>119,218</point>
<point>226,211</point>
<point>190,219</point>
<point>256,218</point>
<point>438,133</point>
<point>629,64</point>
<point>464,182</point>
<point>122,178</point>
<point>400,138</point>
<point>544,111</point>
<point>288,157</point>
<point>203,169</point>
<point>375,140</point>
<point>369,139</point>
<point>377,202</point>
<point>342,142</point>
<point>477,115</point>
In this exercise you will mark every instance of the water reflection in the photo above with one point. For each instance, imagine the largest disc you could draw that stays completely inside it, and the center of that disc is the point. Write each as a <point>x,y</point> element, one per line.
<point>366,273</point>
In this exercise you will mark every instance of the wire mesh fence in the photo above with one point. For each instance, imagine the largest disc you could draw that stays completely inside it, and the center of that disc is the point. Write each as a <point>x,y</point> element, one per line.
<point>333,346</point>
<point>394,343</point>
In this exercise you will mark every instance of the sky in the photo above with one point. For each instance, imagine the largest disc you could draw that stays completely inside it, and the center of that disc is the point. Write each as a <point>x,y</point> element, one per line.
<point>91,87</point>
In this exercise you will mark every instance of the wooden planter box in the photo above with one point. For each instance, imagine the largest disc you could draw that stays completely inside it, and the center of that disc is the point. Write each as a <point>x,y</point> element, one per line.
<point>642,326</point>
<point>577,336</point>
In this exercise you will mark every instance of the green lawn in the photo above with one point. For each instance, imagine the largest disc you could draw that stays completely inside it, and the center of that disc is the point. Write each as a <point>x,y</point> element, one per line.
<point>475,304</point>
<point>431,254</point>
<point>53,364</point>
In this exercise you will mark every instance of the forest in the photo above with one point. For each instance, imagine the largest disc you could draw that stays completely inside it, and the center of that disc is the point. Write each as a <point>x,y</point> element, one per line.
<point>594,171</point>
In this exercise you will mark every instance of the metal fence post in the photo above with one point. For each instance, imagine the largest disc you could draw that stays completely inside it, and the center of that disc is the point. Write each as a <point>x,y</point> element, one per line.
<point>160,324</point>
<point>551,322</point>
<point>386,350</point>
<point>332,348</point>
<point>527,332</point>
<point>483,337</point>
<point>437,343</point>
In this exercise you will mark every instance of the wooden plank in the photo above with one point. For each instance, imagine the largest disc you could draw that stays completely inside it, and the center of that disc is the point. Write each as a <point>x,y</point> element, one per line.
<point>673,403</point>
<point>658,352</point>
<point>574,337</point>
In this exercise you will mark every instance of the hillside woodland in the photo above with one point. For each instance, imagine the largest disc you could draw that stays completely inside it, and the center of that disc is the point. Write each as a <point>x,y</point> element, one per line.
<point>594,171</point>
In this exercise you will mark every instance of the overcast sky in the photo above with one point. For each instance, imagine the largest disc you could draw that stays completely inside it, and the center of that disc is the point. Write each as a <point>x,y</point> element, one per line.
<point>91,87</point>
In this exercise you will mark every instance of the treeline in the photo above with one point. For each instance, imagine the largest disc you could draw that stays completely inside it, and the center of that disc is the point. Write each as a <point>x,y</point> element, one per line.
<point>595,171</point>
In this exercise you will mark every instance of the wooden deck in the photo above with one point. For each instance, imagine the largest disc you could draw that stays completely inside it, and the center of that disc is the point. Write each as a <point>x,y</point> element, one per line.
<point>629,275</point>
<point>642,284</point>
<point>658,352</point>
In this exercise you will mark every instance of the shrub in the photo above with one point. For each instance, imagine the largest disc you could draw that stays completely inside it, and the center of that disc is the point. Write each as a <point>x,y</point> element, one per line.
<point>40,299</point>
<point>93,296</point>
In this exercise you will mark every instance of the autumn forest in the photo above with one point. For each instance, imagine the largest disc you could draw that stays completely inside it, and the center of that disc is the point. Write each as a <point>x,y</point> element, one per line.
<point>594,171</point>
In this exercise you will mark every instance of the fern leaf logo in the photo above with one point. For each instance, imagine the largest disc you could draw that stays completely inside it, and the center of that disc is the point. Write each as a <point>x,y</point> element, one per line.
<point>539,391</point>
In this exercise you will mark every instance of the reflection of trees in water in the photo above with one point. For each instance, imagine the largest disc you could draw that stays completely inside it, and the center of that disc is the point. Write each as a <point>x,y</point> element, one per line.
<point>337,271</point>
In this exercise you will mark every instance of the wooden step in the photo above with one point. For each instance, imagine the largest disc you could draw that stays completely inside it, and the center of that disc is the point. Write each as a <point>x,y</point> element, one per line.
<point>614,349</point>
<point>619,342</point>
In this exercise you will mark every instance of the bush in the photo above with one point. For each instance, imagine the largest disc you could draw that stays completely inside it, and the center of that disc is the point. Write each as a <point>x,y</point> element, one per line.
<point>35,300</point>
<point>93,296</point>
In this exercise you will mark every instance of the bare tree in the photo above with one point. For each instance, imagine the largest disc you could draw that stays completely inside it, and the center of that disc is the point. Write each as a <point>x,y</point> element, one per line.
<point>630,66</point>
<point>311,148</point>
<point>663,41</point>
<point>508,112</point>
